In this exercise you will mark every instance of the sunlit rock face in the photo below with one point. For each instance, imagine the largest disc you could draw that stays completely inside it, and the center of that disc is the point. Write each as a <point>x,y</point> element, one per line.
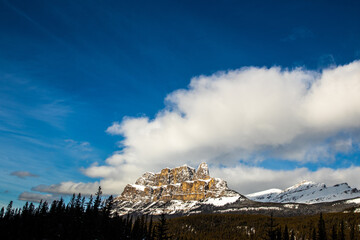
<point>180,183</point>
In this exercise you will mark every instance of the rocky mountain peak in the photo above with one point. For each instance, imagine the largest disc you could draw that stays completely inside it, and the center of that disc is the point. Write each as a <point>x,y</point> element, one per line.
<point>179,183</point>
<point>202,171</point>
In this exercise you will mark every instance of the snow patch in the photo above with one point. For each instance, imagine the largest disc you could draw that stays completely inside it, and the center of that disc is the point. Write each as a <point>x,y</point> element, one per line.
<point>221,201</point>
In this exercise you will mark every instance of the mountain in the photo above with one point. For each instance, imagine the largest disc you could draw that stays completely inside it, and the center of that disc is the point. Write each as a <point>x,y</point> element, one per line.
<point>307,192</point>
<point>175,191</point>
<point>183,191</point>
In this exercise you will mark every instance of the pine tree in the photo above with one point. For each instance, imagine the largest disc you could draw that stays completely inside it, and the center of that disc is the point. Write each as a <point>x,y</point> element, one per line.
<point>9,211</point>
<point>97,201</point>
<point>89,205</point>
<point>2,212</point>
<point>150,229</point>
<point>108,206</point>
<point>334,233</point>
<point>278,234</point>
<point>342,231</point>
<point>321,228</point>
<point>286,233</point>
<point>162,228</point>
<point>352,231</point>
<point>271,232</point>
<point>313,236</point>
<point>292,235</point>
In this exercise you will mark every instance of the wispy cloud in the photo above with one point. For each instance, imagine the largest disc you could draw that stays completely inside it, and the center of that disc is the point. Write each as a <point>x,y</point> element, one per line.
<point>22,101</point>
<point>68,188</point>
<point>23,174</point>
<point>81,146</point>
<point>243,115</point>
<point>36,197</point>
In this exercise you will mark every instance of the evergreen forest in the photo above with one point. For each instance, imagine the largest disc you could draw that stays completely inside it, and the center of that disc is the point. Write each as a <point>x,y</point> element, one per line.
<point>92,218</point>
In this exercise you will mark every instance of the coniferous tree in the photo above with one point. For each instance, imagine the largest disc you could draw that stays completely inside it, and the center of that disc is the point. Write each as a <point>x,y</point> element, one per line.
<point>313,235</point>
<point>271,226</point>
<point>292,235</point>
<point>278,234</point>
<point>89,205</point>
<point>2,212</point>
<point>342,231</point>
<point>334,233</point>
<point>150,229</point>
<point>162,228</point>
<point>97,201</point>
<point>9,211</point>
<point>108,205</point>
<point>352,231</point>
<point>286,233</point>
<point>321,228</point>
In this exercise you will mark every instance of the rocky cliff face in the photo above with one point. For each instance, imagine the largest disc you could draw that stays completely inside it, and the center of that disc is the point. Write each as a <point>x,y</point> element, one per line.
<point>180,183</point>
<point>178,190</point>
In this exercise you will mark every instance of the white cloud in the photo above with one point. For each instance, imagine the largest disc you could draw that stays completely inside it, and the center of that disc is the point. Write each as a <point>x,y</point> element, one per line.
<point>68,188</point>
<point>247,114</point>
<point>36,197</point>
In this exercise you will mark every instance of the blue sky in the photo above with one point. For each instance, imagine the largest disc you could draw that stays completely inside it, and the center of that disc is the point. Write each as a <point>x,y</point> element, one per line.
<point>69,70</point>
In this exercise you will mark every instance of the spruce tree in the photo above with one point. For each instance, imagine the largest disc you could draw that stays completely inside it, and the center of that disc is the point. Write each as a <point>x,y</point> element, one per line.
<point>313,237</point>
<point>321,228</point>
<point>342,231</point>
<point>97,201</point>
<point>286,233</point>
<point>334,233</point>
<point>162,228</point>
<point>2,212</point>
<point>271,226</point>
<point>292,235</point>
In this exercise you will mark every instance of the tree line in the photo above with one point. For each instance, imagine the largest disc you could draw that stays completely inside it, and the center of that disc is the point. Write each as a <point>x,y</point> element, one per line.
<point>94,218</point>
<point>331,226</point>
<point>80,218</point>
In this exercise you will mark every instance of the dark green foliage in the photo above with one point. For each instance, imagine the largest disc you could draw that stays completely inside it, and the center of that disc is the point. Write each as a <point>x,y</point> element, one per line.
<point>71,221</point>
<point>334,233</point>
<point>292,235</point>
<point>342,231</point>
<point>313,235</point>
<point>241,226</point>
<point>286,233</point>
<point>321,229</point>
<point>271,226</point>
<point>162,229</point>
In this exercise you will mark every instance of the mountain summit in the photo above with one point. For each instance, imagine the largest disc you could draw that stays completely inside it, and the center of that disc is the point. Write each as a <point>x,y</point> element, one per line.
<point>180,188</point>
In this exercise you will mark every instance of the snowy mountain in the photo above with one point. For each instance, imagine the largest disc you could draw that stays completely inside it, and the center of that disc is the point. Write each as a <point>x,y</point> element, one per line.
<point>183,191</point>
<point>307,192</point>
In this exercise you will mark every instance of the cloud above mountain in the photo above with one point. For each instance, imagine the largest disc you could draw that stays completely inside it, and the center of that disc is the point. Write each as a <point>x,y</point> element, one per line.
<point>236,119</point>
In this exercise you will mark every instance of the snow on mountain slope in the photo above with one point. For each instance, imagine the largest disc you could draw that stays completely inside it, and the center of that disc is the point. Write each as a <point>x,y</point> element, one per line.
<point>264,195</point>
<point>307,192</point>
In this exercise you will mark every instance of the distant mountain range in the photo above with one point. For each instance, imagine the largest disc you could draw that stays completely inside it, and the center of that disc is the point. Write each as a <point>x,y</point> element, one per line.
<point>307,192</point>
<point>184,190</point>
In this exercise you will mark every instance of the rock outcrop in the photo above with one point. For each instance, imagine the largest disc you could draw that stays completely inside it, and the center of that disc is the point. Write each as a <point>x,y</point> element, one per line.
<point>180,183</point>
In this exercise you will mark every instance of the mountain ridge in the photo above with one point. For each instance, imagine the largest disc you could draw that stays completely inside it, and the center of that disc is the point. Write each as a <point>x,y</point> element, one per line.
<point>307,192</point>
<point>183,191</point>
